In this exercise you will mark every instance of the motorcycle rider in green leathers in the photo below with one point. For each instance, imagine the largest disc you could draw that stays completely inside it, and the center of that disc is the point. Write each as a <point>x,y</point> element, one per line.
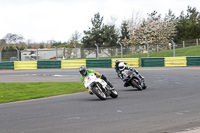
<point>84,72</point>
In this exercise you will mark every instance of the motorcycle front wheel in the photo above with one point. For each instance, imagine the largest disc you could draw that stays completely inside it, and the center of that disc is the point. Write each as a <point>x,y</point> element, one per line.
<point>99,93</point>
<point>144,86</point>
<point>114,93</point>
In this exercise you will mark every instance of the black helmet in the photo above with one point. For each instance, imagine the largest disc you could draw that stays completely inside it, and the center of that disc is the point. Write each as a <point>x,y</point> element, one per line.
<point>83,70</point>
<point>117,61</point>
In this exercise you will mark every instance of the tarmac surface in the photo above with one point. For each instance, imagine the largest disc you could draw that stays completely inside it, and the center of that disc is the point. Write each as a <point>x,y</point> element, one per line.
<point>170,104</point>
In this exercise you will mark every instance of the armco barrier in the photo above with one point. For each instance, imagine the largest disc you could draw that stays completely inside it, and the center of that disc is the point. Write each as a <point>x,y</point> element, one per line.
<point>65,64</point>
<point>175,61</point>
<point>6,65</point>
<point>24,65</point>
<point>101,63</point>
<point>193,61</point>
<point>132,62</point>
<point>48,64</point>
<point>152,62</point>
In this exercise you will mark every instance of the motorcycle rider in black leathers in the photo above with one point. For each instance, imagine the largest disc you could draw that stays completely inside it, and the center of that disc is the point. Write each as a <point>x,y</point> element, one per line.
<point>117,66</point>
<point>122,66</point>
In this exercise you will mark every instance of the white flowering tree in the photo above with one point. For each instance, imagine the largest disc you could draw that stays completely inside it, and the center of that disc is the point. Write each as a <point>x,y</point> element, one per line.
<point>153,30</point>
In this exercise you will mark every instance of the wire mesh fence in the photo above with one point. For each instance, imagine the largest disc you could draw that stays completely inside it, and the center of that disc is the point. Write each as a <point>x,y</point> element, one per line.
<point>8,55</point>
<point>85,53</point>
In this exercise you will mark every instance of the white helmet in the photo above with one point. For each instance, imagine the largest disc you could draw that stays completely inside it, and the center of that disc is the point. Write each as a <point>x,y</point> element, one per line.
<point>121,66</point>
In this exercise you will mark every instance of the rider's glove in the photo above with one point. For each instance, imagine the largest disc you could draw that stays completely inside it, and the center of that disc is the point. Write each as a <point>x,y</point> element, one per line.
<point>96,73</point>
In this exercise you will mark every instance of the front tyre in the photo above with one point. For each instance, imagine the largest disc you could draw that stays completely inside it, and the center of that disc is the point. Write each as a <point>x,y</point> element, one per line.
<point>99,93</point>
<point>144,86</point>
<point>114,93</point>
<point>136,83</point>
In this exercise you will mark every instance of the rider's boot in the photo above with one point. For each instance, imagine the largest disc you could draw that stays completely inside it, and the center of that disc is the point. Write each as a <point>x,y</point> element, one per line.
<point>125,84</point>
<point>108,82</point>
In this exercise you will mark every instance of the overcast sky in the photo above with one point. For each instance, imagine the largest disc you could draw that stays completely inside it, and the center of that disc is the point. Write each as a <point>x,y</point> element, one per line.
<point>42,20</point>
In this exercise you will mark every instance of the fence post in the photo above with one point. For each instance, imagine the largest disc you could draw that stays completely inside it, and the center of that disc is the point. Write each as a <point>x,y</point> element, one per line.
<point>183,44</point>
<point>197,42</point>
<point>121,50</point>
<point>147,49</point>
<point>174,54</point>
<point>75,50</point>
<point>97,51</point>
<point>64,53</point>
<point>0,56</point>
<point>17,54</point>
<point>37,55</point>
<point>56,53</point>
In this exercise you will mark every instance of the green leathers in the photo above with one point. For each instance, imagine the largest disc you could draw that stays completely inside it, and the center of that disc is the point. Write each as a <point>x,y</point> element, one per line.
<point>88,71</point>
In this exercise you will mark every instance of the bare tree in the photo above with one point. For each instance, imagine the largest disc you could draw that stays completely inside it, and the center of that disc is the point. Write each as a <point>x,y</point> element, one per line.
<point>74,41</point>
<point>112,20</point>
<point>134,24</point>
<point>75,38</point>
<point>13,38</point>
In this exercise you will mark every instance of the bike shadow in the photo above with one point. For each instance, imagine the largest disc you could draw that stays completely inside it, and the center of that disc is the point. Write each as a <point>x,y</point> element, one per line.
<point>97,99</point>
<point>131,89</point>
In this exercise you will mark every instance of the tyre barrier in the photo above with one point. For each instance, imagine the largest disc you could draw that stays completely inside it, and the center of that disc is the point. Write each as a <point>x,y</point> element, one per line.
<point>102,63</point>
<point>153,62</point>
<point>132,62</point>
<point>6,65</point>
<point>25,65</point>
<point>66,64</point>
<point>175,61</point>
<point>48,64</point>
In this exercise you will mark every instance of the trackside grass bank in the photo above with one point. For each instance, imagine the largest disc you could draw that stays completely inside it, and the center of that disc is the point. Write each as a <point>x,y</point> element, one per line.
<point>187,51</point>
<point>10,92</point>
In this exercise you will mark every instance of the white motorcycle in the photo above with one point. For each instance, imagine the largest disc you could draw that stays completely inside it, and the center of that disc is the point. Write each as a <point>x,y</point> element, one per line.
<point>99,87</point>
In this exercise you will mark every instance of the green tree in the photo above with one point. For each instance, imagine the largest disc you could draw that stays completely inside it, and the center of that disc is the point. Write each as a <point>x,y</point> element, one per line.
<point>110,35</point>
<point>193,16</point>
<point>94,35</point>
<point>100,34</point>
<point>125,35</point>
<point>188,26</point>
<point>181,27</point>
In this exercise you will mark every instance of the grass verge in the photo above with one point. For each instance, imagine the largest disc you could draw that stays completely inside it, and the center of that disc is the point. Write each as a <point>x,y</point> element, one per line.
<point>10,92</point>
<point>187,51</point>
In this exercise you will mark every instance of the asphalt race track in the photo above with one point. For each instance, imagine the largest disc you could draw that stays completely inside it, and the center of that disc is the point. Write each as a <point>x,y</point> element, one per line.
<point>171,103</point>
